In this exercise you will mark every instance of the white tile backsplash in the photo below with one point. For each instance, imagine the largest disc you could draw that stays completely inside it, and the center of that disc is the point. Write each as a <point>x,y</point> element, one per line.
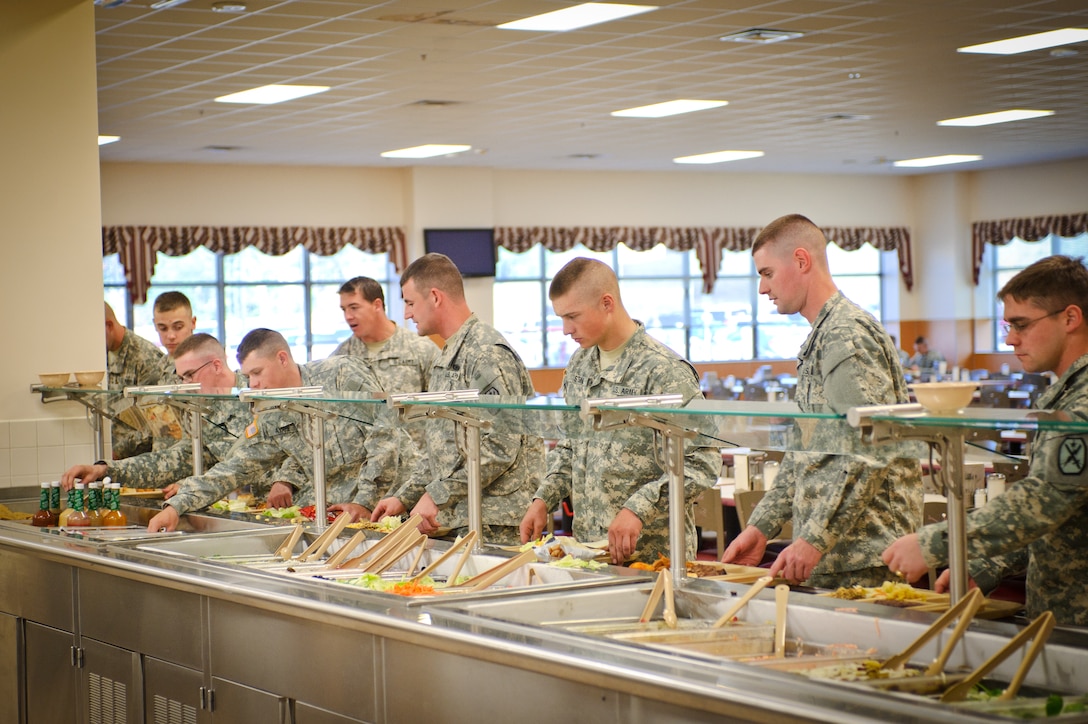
<point>24,433</point>
<point>50,432</point>
<point>35,450</point>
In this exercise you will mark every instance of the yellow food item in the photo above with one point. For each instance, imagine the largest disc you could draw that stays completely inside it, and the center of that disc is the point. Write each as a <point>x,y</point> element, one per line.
<point>7,513</point>
<point>898,592</point>
<point>852,593</point>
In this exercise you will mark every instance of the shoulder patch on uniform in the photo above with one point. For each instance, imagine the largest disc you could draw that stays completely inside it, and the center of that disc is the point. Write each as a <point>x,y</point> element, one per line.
<point>251,429</point>
<point>1072,456</point>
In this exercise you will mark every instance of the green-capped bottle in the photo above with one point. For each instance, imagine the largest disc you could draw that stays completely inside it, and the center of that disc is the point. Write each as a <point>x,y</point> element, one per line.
<point>79,517</point>
<point>44,517</point>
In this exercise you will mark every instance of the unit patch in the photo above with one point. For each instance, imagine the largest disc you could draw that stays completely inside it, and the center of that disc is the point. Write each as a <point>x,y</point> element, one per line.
<point>1072,456</point>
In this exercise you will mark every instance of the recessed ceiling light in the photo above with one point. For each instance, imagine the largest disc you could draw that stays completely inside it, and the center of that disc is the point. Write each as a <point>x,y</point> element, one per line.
<point>426,151</point>
<point>163,4</point>
<point>986,119</point>
<point>844,117</point>
<point>718,157</point>
<point>103,140</point>
<point>1024,43</point>
<point>761,36</point>
<point>228,7</point>
<point>936,161</point>
<point>268,94</point>
<point>668,108</point>
<point>577,16</point>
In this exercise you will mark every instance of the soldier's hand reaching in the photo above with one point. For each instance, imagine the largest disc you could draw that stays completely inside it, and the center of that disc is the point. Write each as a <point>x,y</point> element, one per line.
<point>535,521</point>
<point>905,558</point>
<point>747,548</point>
<point>86,473</point>
<point>387,506</point>
<point>427,510</point>
<point>280,495</point>
<point>358,512</point>
<point>167,520</point>
<point>796,562</point>
<point>623,536</point>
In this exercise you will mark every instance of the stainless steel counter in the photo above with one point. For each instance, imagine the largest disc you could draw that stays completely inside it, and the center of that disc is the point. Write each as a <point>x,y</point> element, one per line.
<point>172,631</point>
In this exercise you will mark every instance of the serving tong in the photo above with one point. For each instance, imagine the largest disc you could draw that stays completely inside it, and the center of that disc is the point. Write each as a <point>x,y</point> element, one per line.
<point>741,602</point>
<point>1038,630</point>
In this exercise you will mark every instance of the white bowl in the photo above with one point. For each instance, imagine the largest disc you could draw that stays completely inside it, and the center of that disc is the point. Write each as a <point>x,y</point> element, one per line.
<point>55,379</point>
<point>944,397</point>
<point>90,379</point>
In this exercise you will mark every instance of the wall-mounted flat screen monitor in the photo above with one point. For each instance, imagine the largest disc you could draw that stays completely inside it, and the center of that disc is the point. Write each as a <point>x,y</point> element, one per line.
<point>472,250</point>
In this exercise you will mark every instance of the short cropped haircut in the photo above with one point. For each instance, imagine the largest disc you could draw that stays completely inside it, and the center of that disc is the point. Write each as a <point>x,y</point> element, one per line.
<point>435,271</point>
<point>201,343</point>
<point>595,274</point>
<point>266,342</point>
<point>920,340</point>
<point>367,287</point>
<point>169,301</point>
<point>783,225</point>
<point>1052,283</point>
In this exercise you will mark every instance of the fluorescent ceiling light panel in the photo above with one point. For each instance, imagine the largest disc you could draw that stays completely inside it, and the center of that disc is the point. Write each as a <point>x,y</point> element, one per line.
<point>1025,43</point>
<point>163,4</point>
<point>987,119</point>
<point>668,108</point>
<point>936,161</point>
<point>426,151</point>
<point>103,140</point>
<point>577,16</point>
<point>268,94</point>
<point>718,157</point>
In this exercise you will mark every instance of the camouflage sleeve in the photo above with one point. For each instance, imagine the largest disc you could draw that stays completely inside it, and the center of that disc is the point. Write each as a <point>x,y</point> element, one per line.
<point>775,509</point>
<point>701,468</point>
<point>412,489</point>
<point>247,462</point>
<point>385,445</point>
<point>854,374</point>
<point>557,480</point>
<point>847,487</point>
<point>1028,510</point>
<point>988,572</point>
<point>289,472</point>
<point>155,469</point>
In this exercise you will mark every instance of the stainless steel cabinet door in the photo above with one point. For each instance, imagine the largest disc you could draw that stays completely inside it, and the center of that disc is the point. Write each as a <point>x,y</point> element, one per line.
<point>236,704</point>
<point>306,714</point>
<point>11,675</point>
<point>50,676</point>
<point>111,684</point>
<point>172,693</point>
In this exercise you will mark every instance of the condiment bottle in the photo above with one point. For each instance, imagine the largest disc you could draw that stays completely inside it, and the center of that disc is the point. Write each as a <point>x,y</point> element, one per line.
<point>44,517</point>
<point>114,517</point>
<point>54,497</point>
<point>94,504</point>
<point>70,508</point>
<point>79,517</point>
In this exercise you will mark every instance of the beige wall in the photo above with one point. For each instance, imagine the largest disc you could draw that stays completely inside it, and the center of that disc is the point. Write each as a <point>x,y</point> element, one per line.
<point>50,286</point>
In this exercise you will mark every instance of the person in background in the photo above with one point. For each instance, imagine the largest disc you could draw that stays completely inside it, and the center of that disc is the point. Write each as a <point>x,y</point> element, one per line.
<point>172,314</point>
<point>361,451</point>
<point>475,356</point>
<point>615,479</point>
<point>844,510</point>
<point>904,358</point>
<point>1040,523</point>
<point>131,361</point>
<point>401,360</point>
<point>925,358</point>
<point>201,359</point>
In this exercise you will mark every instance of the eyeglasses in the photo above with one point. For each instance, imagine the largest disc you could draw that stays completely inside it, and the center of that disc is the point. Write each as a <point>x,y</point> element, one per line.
<point>1022,326</point>
<point>188,376</point>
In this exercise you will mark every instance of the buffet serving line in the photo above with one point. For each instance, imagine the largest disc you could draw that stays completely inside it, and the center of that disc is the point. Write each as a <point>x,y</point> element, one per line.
<point>242,618</point>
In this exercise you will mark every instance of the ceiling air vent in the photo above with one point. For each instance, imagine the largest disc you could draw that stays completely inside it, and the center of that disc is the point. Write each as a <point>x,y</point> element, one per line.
<point>844,117</point>
<point>428,103</point>
<point>761,36</point>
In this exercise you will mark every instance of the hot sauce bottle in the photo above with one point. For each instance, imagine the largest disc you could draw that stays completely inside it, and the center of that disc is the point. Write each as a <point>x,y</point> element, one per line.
<point>45,516</point>
<point>93,504</point>
<point>79,517</point>
<point>114,517</point>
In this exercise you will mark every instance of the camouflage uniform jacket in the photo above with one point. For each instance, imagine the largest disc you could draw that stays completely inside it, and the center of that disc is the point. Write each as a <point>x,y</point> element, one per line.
<point>1041,521</point>
<point>224,424</point>
<point>136,362</point>
<point>403,364</point>
<point>477,357</point>
<point>848,508</point>
<point>604,472</point>
<point>360,451</point>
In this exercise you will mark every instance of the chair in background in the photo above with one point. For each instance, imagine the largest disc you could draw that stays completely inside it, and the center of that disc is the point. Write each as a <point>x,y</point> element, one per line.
<point>707,510</point>
<point>746,501</point>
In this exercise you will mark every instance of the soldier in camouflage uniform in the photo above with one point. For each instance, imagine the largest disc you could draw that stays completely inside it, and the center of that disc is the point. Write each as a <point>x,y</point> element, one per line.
<point>476,356</point>
<point>401,360</point>
<point>844,509</point>
<point>131,360</point>
<point>174,321</point>
<point>1041,522</point>
<point>616,479</point>
<point>361,452</point>
<point>200,358</point>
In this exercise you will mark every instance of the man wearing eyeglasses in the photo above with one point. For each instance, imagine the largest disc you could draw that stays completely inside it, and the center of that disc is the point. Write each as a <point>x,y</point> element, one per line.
<point>1040,523</point>
<point>362,450</point>
<point>201,359</point>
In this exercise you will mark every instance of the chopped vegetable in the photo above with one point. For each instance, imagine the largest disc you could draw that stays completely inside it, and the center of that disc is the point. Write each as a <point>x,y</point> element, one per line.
<point>569,561</point>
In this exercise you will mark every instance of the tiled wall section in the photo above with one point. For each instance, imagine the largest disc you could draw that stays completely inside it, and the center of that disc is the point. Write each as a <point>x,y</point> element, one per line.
<point>32,451</point>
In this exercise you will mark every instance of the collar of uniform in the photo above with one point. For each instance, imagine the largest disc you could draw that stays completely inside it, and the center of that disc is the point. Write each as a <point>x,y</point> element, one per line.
<point>618,370</point>
<point>825,312</point>
<point>1053,392</point>
<point>454,343</point>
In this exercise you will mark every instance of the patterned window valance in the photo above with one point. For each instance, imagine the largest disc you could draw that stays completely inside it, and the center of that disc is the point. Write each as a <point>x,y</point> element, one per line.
<point>708,242</point>
<point>1003,231</point>
<point>137,245</point>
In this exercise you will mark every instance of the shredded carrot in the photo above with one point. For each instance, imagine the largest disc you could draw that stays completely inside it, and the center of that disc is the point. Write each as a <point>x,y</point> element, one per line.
<point>409,588</point>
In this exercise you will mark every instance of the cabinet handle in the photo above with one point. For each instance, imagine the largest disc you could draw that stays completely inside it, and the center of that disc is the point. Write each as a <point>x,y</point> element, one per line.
<point>203,698</point>
<point>77,657</point>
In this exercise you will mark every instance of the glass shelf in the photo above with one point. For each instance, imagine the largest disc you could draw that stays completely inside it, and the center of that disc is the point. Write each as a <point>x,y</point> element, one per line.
<point>985,418</point>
